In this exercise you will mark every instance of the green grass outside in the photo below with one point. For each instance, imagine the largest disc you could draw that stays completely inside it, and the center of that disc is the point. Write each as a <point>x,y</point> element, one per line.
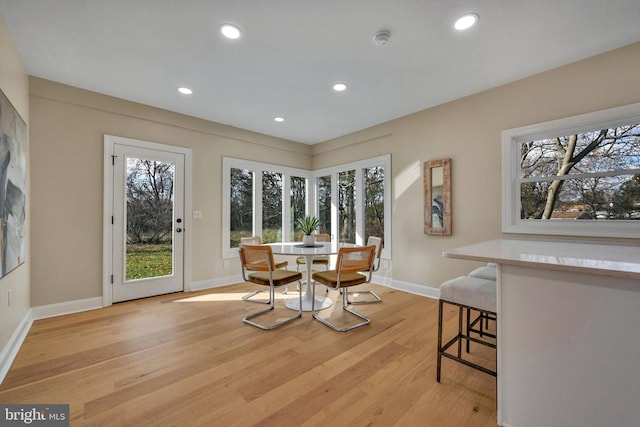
<point>268,236</point>
<point>155,260</point>
<point>148,261</point>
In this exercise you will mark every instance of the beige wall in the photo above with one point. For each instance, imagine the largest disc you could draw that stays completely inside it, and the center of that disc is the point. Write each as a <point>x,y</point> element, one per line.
<point>15,85</point>
<point>67,182</point>
<point>68,125</point>
<point>469,131</point>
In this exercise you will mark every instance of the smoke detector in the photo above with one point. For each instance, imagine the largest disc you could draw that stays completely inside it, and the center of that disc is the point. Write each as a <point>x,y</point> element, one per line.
<point>381,38</point>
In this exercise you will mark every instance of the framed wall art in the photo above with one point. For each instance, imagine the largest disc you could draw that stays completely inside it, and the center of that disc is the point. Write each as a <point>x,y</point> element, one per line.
<point>13,177</point>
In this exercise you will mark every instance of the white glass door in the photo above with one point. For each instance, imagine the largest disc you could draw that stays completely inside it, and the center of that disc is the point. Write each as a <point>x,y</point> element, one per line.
<point>148,222</point>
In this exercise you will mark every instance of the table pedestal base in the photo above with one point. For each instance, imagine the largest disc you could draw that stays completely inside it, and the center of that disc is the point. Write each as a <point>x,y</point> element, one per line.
<point>321,302</point>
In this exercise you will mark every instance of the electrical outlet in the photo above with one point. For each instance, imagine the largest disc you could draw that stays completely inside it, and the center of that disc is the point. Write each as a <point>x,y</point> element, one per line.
<point>197,214</point>
<point>10,297</point>
<point>226,264</point>
<point>385,264</point>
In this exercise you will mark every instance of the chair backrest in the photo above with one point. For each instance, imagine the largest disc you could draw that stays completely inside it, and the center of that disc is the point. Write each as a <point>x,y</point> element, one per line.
<point>253,240</point>
<point>353,260</point>
<point>377,242</point>
<point>256,258</point>
<point>320,237</point>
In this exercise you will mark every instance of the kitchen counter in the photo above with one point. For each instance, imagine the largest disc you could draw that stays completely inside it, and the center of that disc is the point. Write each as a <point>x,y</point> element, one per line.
<point>568,331</point>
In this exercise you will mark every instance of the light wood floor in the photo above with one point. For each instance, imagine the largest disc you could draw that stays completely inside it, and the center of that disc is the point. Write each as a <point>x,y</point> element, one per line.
<point>188,359</point>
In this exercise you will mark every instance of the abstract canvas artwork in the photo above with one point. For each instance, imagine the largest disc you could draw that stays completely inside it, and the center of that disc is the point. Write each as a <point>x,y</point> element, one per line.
<point>13,177</point>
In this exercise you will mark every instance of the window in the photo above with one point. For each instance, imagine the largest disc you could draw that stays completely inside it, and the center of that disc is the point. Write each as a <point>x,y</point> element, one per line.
<point>347,206</point>
<point>241,205</point>
<point>298,203</point>
<point>271,207</point>
<point>324,204</point>
<point>374,201</point>
<point>361,196</point>
<point>352,201</point>
<point>254,199</point>
<point>578,176</point>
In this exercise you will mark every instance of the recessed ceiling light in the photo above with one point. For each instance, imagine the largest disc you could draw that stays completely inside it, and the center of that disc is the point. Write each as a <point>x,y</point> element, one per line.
<point>279,119</point>
<point>230,31</point>
<point>339,87</point>
<point>465,22</point>
<point>185,90</point>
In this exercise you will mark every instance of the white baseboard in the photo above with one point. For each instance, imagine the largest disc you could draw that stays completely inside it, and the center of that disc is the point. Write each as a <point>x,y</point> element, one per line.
<point>10,350</point>
<point>216,283</point>
<point>68,307</point>
<point>413,288</point>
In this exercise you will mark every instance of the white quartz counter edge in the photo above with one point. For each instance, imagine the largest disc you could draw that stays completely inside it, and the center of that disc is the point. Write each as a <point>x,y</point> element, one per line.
<point>581,257</point>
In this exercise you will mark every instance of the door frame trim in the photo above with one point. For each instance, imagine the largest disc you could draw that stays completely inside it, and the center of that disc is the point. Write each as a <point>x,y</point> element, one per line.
<point>107,227</point>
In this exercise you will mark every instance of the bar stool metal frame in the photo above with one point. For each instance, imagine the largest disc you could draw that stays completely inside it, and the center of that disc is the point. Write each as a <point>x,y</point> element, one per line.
<point>465,329</point>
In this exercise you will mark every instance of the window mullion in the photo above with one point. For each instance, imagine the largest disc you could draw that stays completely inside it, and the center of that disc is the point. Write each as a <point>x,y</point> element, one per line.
<point>359,205</point>
<point>286,207</point>
<point>334,207</point>
<point>257,202</point>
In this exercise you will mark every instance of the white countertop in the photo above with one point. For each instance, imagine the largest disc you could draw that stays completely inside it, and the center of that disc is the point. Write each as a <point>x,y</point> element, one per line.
<point>584,257</point>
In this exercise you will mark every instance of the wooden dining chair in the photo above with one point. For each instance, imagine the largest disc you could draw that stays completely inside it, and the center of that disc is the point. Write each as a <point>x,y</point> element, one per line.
<point>371,241</point>
<point>257,240</point>
<point>353,267</point>
<point>258,266</point>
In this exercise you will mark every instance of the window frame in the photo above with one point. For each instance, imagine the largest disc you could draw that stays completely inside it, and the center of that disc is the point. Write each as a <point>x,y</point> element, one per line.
<point>311,202</point>
<point>511,176</point>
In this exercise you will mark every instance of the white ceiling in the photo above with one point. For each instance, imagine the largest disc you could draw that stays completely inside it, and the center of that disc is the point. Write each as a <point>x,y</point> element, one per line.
<point>292,51</point>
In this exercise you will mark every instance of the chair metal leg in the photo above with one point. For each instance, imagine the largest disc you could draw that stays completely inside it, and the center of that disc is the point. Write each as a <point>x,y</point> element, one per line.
<point>248,297</point>
<point>439,360</point>
<point>462,335</point>
<point>314,314</point>
<point>468,326</point>
<point>460,332</point>
<point>271,307</point>
<point>376,297</point>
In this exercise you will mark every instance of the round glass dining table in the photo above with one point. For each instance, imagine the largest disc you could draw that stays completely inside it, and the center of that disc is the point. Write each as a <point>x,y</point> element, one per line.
<point>308,252</point>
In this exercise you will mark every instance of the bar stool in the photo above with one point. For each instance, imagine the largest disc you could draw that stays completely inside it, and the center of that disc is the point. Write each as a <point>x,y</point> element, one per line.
<point>488,272</point>
<point>472,294</point>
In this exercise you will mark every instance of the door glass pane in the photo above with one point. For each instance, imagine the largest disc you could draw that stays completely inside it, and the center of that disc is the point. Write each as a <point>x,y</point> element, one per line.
<point>373,202</point>
<point>298,202</point>
<point>324,204</point>
<point>241,205</point>
<point>149,198</point>
<point>271,207</point>
<point>347,206</point>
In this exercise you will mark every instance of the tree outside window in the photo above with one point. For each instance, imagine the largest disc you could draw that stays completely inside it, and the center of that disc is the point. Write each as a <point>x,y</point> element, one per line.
<point>324,204</point>
<point>241,205</point>
<point>347,206</point>
<point>298,196</point>
<point>588,176</point>
<point>373,201</point>
<point>271,207</point>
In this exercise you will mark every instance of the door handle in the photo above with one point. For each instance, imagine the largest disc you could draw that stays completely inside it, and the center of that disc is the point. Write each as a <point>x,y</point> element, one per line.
<point>178,230</point>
